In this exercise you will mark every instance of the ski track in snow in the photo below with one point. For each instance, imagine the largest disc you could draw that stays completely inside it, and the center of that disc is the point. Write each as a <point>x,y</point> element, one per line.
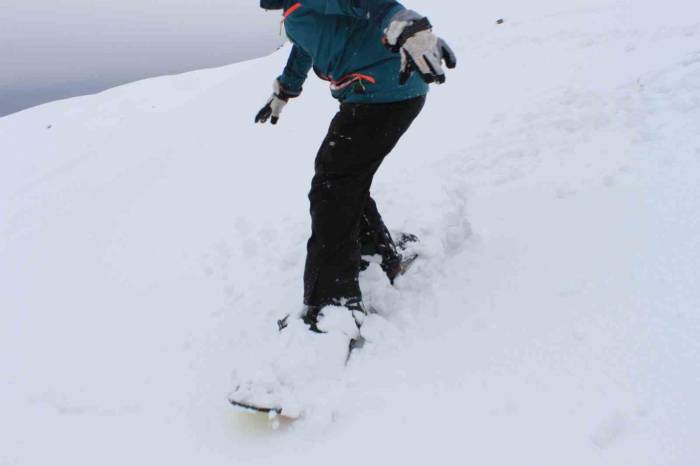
<point>151,236</point>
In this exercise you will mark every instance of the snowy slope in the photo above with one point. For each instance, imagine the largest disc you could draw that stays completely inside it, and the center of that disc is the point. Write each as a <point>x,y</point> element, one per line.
<point>151,235</point>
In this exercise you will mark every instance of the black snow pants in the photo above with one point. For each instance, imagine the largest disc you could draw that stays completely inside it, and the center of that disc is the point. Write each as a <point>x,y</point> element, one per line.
<point>342,211</point>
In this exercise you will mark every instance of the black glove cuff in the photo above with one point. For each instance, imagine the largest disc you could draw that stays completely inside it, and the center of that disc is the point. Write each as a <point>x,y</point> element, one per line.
<point>285,94</point>
<point>412,29</point>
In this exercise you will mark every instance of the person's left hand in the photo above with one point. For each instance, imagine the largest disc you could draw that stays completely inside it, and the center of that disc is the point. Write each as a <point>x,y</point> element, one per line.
<point>273,107</point>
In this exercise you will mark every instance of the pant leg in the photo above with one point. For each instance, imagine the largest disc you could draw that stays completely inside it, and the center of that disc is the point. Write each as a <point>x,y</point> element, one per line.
<point>359,138</point>
<point>333,251</point>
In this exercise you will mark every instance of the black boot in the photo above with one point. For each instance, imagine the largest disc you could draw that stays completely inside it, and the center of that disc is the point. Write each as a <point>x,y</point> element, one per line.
<point>311,316</point>
<point>313,313</point>
<point>395,262</point>
<point>358,309</point>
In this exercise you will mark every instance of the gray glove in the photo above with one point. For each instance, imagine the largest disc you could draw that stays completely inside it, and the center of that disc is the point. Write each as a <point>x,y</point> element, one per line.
<point>411,35</point>
<point>274,106</point>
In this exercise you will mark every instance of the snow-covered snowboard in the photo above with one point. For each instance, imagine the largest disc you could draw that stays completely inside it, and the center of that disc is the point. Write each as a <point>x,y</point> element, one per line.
<point>250,406</point>
<point>306,358</point>
<point>300,360</point>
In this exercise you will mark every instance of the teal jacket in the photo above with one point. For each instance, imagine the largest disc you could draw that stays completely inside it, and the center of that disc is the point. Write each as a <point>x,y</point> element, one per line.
<point>342,40</point>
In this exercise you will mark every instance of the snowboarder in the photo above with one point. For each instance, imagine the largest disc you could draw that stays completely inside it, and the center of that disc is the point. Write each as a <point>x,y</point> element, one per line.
<point>379,58</point>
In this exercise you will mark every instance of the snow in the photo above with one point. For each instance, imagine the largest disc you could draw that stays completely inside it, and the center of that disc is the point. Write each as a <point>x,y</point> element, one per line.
<point>151,236</point>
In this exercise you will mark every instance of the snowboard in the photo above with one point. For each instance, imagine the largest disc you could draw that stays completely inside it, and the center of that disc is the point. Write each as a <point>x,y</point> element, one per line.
<point>250,407</point>
<point>241,399</point>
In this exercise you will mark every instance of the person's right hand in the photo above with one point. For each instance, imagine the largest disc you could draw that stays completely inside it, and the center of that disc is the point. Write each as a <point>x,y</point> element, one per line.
<point>411,35</point>
<point>273,108</point>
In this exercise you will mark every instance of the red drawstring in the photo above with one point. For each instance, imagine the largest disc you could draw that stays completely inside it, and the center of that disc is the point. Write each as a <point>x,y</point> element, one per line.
<point>349,79</point>
<point>286,14</point>
<point>292,9</point>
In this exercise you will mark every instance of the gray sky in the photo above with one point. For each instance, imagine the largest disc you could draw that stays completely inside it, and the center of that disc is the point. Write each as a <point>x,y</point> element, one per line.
<point>52,49</point>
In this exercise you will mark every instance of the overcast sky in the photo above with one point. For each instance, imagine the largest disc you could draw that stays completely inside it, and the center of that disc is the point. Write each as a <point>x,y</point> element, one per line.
<point>51,49</point>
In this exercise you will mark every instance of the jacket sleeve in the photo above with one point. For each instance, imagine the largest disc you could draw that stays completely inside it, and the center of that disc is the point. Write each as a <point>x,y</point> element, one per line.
<point>378,11</point>
<point>296,71</point>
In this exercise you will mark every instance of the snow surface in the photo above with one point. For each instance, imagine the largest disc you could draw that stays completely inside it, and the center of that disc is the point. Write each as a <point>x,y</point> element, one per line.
<point>151,236</point>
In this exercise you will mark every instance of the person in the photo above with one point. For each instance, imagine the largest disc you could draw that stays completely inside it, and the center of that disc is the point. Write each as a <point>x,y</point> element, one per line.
<point>379,58</point>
